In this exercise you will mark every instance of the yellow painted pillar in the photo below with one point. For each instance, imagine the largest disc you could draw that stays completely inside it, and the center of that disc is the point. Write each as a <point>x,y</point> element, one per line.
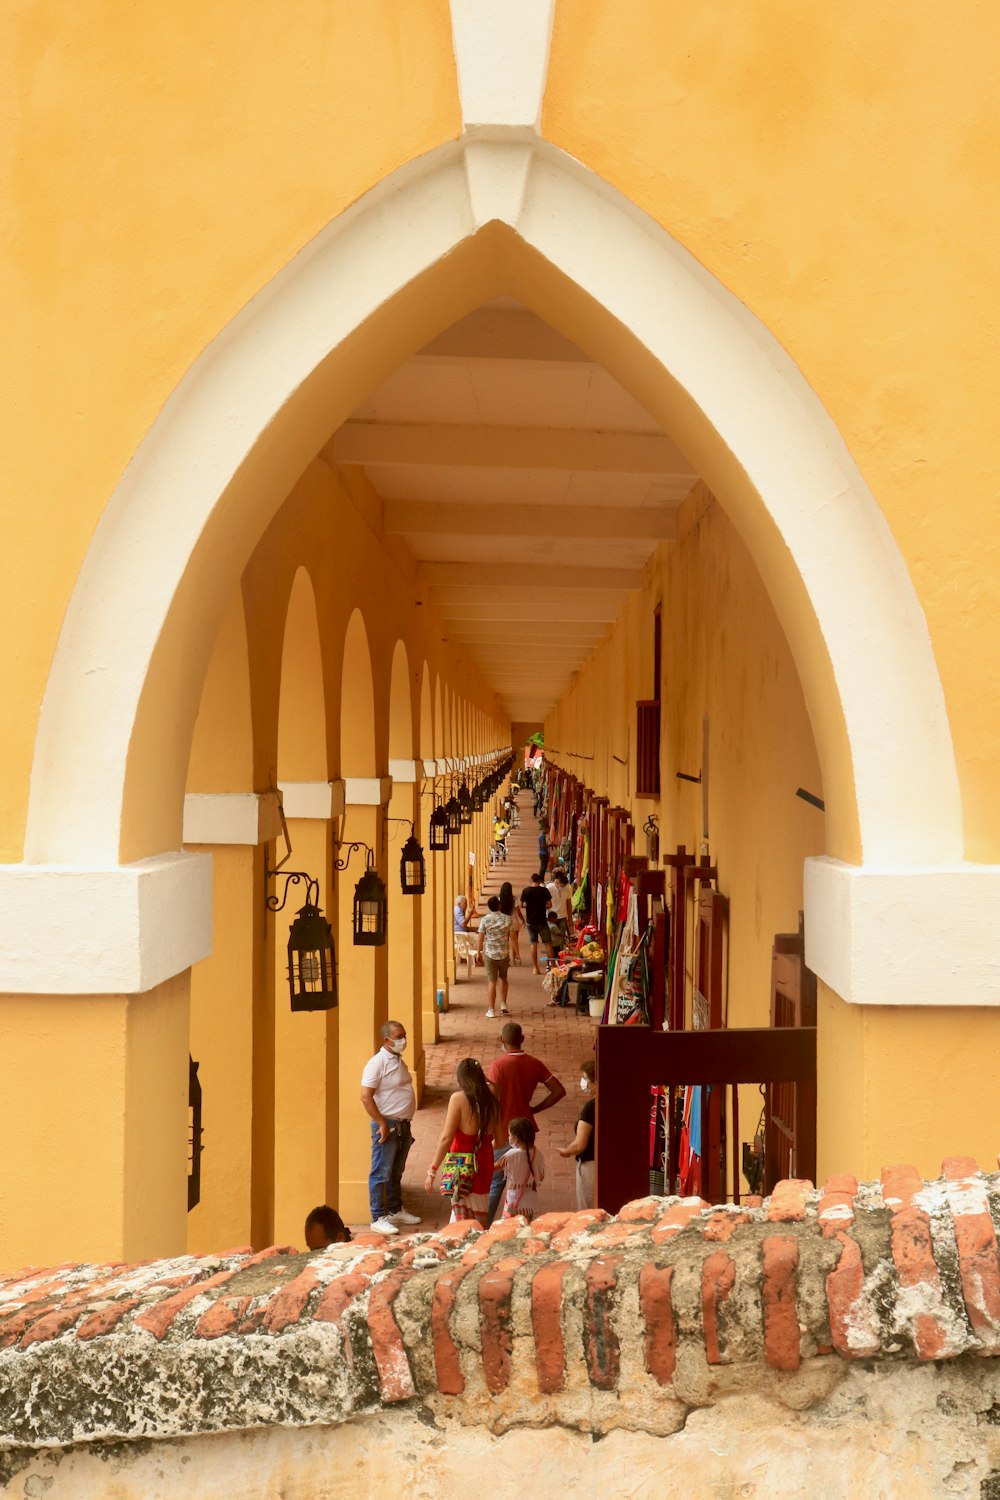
<point>430,973</point>
<point>94,1091</point>
<point>363,973</point>
<point>223,1000</point>
<point>405,936</point>
<point>302,1090</point>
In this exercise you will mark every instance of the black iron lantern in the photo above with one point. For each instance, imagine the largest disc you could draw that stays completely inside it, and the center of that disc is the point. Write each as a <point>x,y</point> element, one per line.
<point>438,836</point>
<point>412,868</point>
<point>371,910</point>
<point>453,812</point>
<point>465,803</point>
<point>312,965</point>
<point>478,797</point>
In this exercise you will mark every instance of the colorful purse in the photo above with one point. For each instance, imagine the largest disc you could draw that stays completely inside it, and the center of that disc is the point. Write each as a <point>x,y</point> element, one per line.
<point>458,1171</point>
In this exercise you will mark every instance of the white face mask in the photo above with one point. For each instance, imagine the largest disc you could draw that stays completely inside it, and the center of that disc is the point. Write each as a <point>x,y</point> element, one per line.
<point>585,1084</point>
<point>399,1045</point>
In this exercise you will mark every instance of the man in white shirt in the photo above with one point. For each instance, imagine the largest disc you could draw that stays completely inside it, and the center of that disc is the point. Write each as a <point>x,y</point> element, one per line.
<point>387,1096</point>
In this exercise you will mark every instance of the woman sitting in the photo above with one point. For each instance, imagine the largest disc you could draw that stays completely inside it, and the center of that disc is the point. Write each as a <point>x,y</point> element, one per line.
<point>468,1128</point>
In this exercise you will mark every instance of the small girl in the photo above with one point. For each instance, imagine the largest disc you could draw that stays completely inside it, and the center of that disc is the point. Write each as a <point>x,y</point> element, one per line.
<point>523,1170</point>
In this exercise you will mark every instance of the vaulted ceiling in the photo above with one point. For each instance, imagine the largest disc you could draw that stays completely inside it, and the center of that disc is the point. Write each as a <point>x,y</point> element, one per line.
<point>530,486</point>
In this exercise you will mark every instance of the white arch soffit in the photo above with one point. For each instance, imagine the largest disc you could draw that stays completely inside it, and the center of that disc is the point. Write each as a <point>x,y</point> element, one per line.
<point>709,343</point>
<point>732,368</point>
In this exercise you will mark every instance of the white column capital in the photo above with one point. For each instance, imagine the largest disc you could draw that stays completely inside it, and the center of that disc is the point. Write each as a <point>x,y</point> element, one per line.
<point>367,791</point>
<point>405,770</point>
<point>247,818</point>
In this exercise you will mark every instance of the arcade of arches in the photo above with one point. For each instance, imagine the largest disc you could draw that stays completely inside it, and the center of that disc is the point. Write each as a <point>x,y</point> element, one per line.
<point>428,463</point>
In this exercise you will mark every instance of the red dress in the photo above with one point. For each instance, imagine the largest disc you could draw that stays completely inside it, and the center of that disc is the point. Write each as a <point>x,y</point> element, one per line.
<point>476,1202</point>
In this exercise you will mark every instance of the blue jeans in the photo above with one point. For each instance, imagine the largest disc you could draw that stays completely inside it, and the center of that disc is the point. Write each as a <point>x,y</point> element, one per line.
<point>385,1181</point>
<point>496,1186</point>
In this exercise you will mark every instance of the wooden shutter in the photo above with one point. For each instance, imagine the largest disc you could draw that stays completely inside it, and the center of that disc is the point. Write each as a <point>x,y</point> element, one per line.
<point>647,742</point>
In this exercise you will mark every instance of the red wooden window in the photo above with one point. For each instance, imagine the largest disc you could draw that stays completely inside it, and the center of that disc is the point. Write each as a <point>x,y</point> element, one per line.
<point>647,742</point>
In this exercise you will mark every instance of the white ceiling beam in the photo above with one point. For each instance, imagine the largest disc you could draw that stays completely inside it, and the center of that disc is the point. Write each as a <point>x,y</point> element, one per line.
<point>477,446</point>
<point>526,576</point>
<point>589,608</point>
<point>425,517</point>
<point>503,333</point>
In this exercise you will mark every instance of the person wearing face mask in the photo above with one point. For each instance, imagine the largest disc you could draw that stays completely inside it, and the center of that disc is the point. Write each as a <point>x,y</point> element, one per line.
<point>515,1075</point>
<point>582,1144</point>
<point>388,1098</point>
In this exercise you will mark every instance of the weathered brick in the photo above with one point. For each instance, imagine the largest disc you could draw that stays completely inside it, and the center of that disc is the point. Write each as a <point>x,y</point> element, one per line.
<point>660,1340</point>
<point>718,1274</point>
<point>676,1218</point>
<point>780,1255</point>
<point>158,1318</point>
<point>287,1305</point>
<point>105,1320</point>
<point>550,1223</point>
<point>495,1289</point>
<point>788,1201</point>
<point>391,1358</point>
<point>913,1256</point>
<point>599,1337</point>
<point>546,1324</point>
<point>645,1210</point>
<point>721,1226</point>
<point>852,1324</point>
<point>835,1210</point>
<point>978,1255</point>
<point>223,1317</point>
<point>51,1324</point>
<point>576,1225</point>
<point>447,1363</point>
<point>616,1233</point>
<point>899,1185</point>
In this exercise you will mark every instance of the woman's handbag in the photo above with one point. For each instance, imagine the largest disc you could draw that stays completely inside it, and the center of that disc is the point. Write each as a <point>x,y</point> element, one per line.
<point>458,1171</point>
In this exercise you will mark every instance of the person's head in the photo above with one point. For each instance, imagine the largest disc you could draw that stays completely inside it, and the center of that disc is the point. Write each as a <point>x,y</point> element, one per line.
<point>472,1082</point>
<point>494,903</point>
<point>521,1132</point>
<point>324,1226</point>
<point>588,1075</point>
<point>393,1035</point>
<point>560,877</point>
<point>536,879</point>
<point>462,903</point>
<point>512,1037</point>
<point>506,898</point>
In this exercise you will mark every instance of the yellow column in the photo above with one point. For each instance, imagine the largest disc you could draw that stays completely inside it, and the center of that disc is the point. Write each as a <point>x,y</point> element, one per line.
<point>431,974</point>
<point>364,1007</point>
<point>94,1090</point>
<point>405,969</point>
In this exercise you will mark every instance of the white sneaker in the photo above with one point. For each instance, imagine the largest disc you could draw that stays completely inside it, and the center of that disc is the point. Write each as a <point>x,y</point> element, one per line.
<point>490,1015</point>
<point>384,1225</point>
<point>402,1217</point>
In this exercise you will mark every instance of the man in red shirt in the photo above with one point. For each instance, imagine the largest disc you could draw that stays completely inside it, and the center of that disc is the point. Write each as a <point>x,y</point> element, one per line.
<point>515,1075</point>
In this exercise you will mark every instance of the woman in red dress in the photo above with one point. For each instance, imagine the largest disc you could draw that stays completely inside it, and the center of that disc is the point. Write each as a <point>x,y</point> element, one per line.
<point>468,1126</point>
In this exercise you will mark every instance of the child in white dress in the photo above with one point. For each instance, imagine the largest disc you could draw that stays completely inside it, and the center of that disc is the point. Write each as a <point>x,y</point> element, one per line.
<point>523,1170</point>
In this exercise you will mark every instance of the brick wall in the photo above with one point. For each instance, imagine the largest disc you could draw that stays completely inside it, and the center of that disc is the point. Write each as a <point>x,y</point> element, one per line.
<point>579,1321</point>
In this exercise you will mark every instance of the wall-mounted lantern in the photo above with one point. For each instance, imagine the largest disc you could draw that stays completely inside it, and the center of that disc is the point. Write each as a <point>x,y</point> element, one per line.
<point>412,865</point>
<point>453,812</point>
<point>478,796</point>
<point>371,904</point>
<point>312,960</point>
<point>437,834</point>
<point>465,804</point>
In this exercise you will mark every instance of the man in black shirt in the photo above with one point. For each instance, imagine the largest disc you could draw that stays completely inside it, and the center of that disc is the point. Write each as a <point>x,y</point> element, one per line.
<point>535,900</point>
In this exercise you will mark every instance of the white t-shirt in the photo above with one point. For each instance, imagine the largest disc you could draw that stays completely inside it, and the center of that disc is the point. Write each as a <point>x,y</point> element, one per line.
<point>389,1076</point>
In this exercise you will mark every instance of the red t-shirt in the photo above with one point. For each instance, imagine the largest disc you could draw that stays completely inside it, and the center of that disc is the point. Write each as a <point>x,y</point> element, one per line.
<point>516,1075</point>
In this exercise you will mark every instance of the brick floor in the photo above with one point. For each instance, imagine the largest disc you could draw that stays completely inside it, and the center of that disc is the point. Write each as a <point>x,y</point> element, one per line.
<point>559,1037</point>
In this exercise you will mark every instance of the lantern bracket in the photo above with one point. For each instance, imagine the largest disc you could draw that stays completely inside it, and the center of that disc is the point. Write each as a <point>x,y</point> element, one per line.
<point>291,877</point>
<point>388,823</point>
<point>341,864</point>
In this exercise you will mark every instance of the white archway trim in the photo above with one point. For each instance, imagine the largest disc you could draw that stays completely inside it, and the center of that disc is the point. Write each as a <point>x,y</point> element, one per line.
<point>502,60</point>
<point>111,931</point>
<point>904,936</point>
<point>312,801</point>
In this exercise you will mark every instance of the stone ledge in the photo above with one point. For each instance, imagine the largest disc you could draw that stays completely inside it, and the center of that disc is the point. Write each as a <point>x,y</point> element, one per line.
<point>578,1320</point>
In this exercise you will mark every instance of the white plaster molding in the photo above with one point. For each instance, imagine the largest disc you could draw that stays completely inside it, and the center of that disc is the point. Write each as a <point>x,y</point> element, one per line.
<point>118,930</point>
<point>443,765</point>
<point>904,935</point>
<point>430,768</point>
<point>367,791</point>
<point>405,770</point>
<point>502,58</point>
<point>247,818</point>
<point>708,344</point>
<point>312,800</point>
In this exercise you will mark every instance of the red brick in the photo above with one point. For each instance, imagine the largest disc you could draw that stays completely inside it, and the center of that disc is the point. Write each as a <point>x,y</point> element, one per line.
<point>780,1255</point>
<point>576,1225</point>
<point>158,1318</point>
<point>616,1233</point>
<point>391,1358</point>
<point>223,1317</point>
<point>850,1315</point>
<point>599,1338</point>
<point>14,1327</point>
<point>899,1185</point>
<point>835,1209</point>
<point>913,1256</point>
<point>288,1305</point>
<point>462,1229</point>
<point>752,1200</point>
<point>106,1319</point>
<point>422,1252</point>
<point>503,1229</point>
<point>788,1201</point>
<point>645,1210</point>
<point>954,1167</point>
<point>723,1225</point>
<point>676,1218</point>
<point>495,1290</point>
<point>660,1341</point>
<point>50,1325</point>
<point>371,1242</point>
<point>550,1223</point>
<point>978,1255</point>
<point>546,1323</point>
<point>340,1294</point>
<point>450,1380</point>
<point>718,1274</point>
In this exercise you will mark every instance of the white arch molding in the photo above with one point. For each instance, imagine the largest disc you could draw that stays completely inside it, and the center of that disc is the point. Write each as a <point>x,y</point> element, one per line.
<point>868,621</point>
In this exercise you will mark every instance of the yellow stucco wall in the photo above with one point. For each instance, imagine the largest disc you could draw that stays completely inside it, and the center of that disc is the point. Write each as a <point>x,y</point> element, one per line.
<point>816,162</point>
<point>161,167</point>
